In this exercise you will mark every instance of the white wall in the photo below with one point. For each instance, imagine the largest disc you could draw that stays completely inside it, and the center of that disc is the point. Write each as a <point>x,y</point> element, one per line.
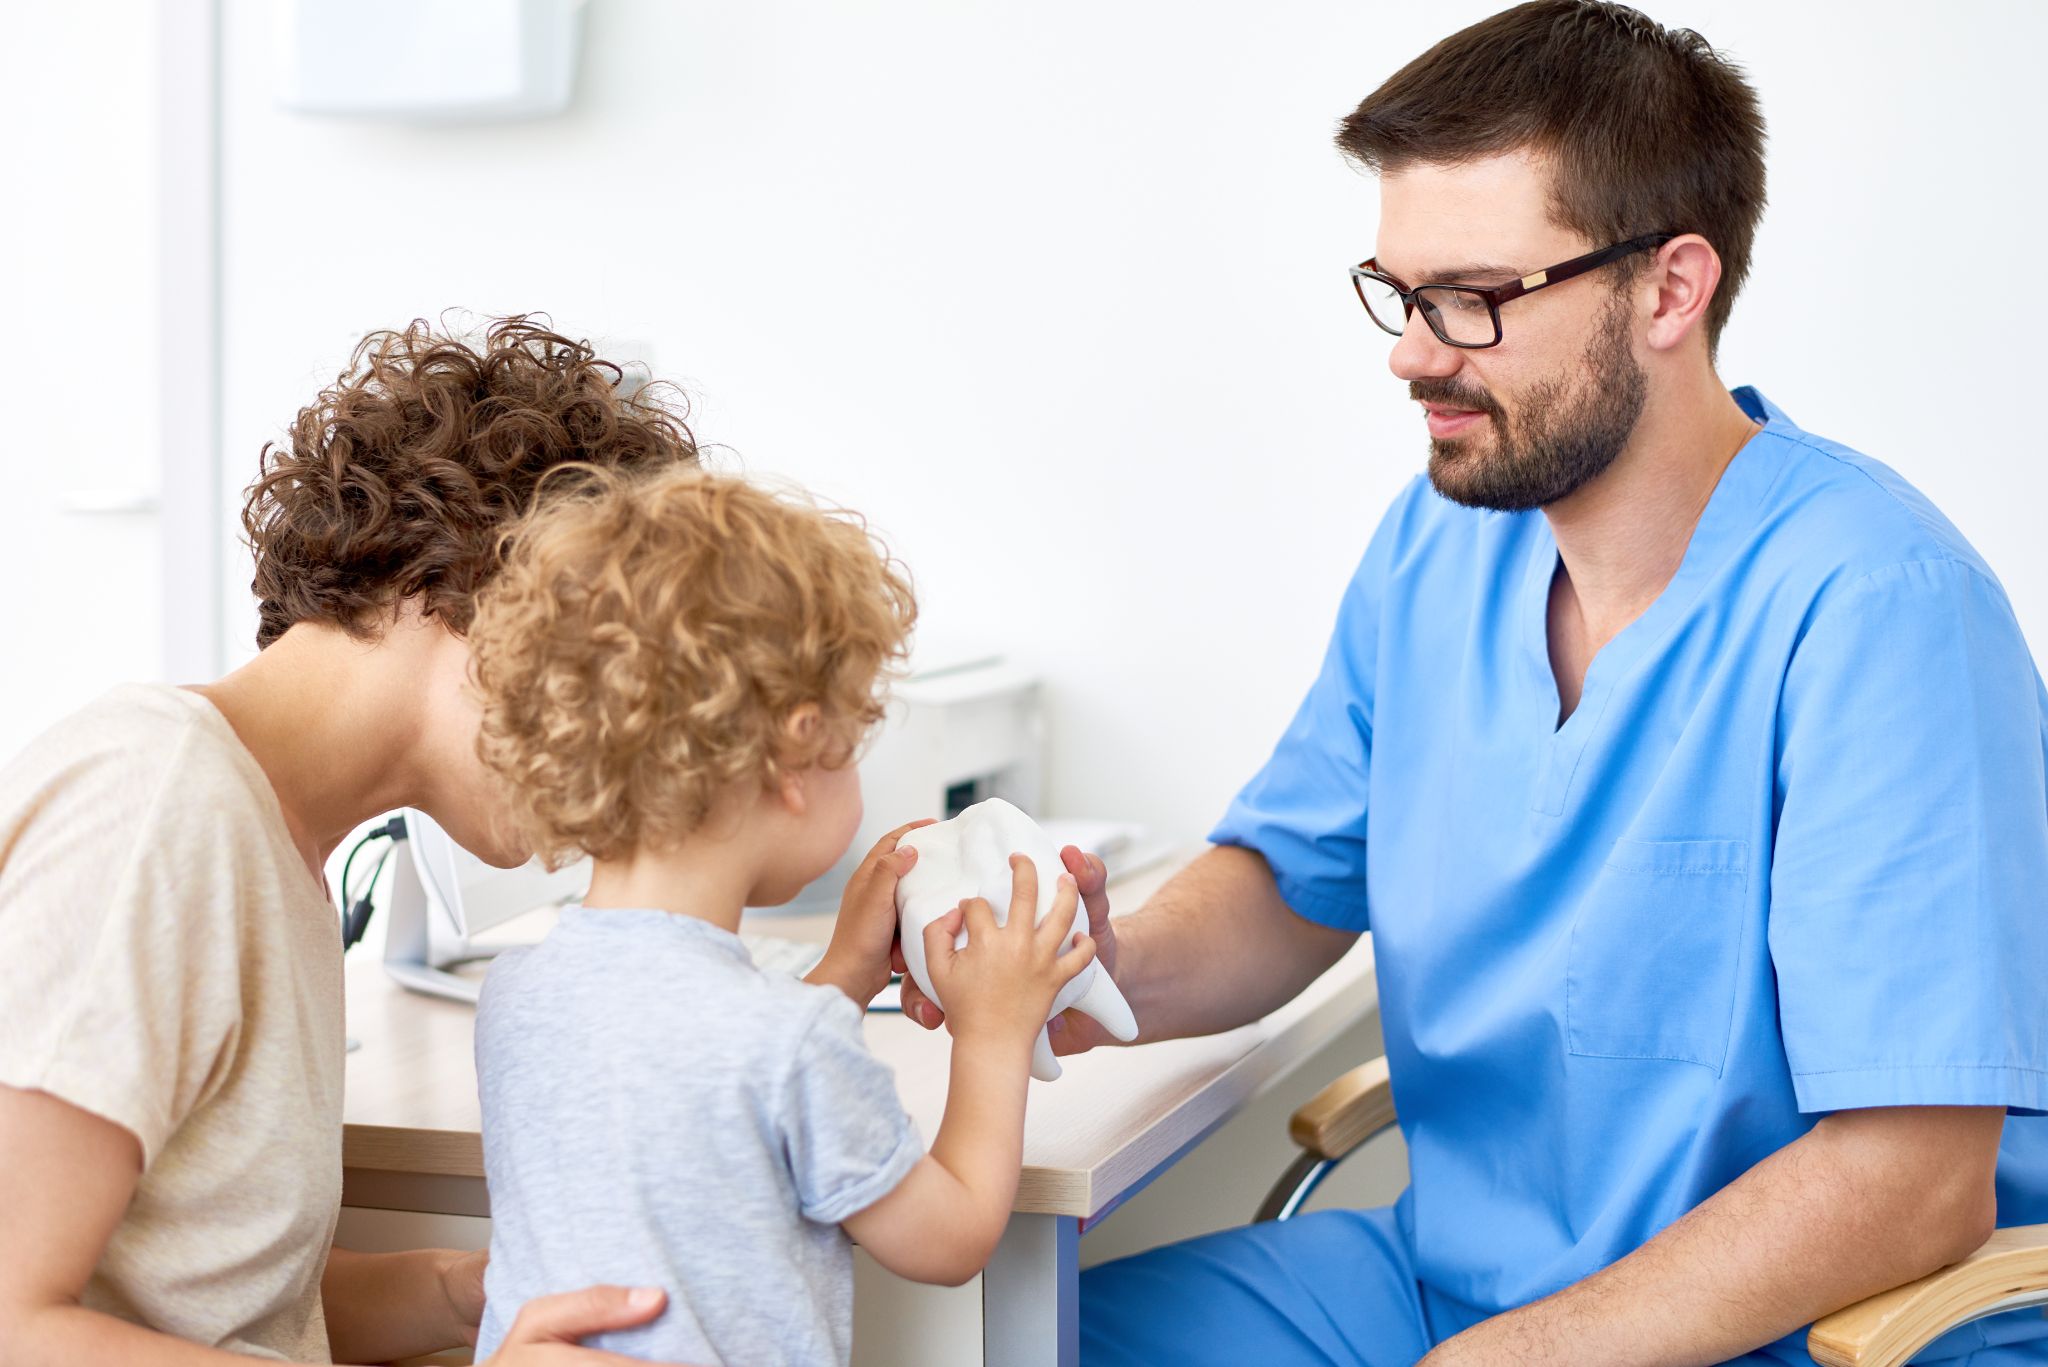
<point>78,283</point>
<point>1056,294</point>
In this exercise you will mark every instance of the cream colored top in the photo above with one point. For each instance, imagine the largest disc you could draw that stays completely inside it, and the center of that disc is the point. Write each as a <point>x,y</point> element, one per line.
<point>168,961</point>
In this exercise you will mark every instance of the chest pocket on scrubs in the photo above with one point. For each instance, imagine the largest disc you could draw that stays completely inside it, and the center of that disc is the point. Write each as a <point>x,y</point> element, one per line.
<point>1652,967</point>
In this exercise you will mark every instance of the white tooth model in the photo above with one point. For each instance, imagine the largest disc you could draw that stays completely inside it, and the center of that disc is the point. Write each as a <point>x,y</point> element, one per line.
<point>969,856</point>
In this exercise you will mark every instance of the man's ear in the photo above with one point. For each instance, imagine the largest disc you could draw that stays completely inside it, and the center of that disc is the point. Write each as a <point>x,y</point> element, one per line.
<point>1686,273</point>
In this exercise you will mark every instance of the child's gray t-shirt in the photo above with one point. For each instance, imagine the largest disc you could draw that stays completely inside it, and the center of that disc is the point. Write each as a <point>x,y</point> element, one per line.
<point>657,1111</point>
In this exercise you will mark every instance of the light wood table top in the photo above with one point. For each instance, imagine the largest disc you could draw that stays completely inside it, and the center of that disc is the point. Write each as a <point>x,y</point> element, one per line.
<point>1090,1139</point>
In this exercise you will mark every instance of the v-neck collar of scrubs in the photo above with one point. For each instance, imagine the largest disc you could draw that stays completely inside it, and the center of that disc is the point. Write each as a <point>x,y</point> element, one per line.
<point>1728,516</point>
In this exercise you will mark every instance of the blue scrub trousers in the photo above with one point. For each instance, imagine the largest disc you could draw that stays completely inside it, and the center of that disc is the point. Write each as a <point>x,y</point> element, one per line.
<point>1330,1289</point>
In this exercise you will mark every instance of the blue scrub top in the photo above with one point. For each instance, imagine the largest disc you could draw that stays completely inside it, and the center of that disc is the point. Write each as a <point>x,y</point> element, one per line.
<point>1788,856</point>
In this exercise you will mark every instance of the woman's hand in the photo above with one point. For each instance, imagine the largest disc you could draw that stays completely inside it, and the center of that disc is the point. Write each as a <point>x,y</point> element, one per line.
<point>1002,983</point>
<point>1070,1032</point>
<point>546,1324</point>
<point>858,960</point>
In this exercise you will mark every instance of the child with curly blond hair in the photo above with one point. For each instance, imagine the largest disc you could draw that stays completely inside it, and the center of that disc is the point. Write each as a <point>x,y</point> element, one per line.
<point>677,674</point>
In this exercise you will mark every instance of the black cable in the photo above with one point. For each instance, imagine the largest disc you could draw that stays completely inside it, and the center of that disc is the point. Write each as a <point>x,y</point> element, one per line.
<point>350,862</point>
<point>358,918</point>
<point>355,916</point>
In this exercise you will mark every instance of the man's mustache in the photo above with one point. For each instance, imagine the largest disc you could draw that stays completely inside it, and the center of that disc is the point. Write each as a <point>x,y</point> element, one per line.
<point>1447,395</point>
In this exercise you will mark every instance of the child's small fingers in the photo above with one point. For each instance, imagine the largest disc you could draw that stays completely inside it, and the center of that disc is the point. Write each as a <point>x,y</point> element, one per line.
<point>1072,964</point>
<point>1023,890</point>
<point>1052,931</point>
<point>981,918</point>
<point>938,936</point>
<point>888,842</point>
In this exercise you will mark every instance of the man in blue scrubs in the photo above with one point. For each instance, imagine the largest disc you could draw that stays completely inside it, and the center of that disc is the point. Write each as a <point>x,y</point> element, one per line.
<point>1686,767</point>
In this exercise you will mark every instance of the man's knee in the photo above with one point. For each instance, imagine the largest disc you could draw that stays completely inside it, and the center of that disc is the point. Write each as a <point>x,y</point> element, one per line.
<point>1335,1286</point>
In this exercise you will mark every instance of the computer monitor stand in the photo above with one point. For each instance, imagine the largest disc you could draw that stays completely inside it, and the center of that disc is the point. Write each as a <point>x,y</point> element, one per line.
<point>421,943</point>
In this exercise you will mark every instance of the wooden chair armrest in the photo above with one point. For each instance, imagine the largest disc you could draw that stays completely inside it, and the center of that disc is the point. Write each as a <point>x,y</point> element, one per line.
<point>1346,1113</point>
<point>2009,1272</point>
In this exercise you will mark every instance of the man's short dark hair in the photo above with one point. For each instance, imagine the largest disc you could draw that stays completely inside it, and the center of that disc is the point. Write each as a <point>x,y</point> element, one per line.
<point>1647,129</point>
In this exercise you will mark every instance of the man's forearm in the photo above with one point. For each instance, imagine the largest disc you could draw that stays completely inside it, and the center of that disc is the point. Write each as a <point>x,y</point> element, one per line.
<point>1217,947</point>
<point>1840,1214</point>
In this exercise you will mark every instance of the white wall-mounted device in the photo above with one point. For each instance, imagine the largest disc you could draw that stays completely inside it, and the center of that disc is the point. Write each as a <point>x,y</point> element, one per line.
<point>428,60</point>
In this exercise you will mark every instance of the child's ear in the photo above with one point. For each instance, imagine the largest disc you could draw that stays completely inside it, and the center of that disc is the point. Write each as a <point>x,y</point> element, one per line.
<point>800,729</point>
<point>790,792</point>
<point>800,737</point>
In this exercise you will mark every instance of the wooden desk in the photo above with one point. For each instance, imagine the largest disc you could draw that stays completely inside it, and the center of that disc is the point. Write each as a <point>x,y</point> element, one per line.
<point>1117,1119</point>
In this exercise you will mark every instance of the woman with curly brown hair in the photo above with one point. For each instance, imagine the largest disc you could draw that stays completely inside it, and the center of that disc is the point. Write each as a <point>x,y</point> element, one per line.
<point>170,973</point>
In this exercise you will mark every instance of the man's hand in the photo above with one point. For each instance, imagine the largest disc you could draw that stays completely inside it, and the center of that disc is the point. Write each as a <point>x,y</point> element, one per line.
<point>863,947</point>
<point>1070,1032</point>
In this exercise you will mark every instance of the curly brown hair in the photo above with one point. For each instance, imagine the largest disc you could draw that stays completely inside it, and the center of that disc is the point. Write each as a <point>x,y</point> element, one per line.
<point>397,481</point>
<point>647,641</point>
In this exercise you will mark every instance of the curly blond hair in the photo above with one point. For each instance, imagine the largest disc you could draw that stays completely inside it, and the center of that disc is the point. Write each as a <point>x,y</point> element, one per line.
<point>647,641</point>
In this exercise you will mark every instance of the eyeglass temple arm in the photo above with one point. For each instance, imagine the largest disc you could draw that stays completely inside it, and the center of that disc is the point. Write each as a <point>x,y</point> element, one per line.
<point>1578,265</point>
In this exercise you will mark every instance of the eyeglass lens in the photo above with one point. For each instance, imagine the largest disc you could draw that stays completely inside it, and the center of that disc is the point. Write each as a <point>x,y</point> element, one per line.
<point>1455,315</point>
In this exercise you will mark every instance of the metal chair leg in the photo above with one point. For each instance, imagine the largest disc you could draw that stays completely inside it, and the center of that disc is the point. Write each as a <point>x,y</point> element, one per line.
<point>1295,1186</point>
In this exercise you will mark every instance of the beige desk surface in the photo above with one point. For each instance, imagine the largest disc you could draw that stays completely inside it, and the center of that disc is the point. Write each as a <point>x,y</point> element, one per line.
<point>1089,1138</point>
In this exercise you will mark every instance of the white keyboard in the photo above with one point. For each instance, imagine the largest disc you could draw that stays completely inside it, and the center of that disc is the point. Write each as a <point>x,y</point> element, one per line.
<point>779,954</point>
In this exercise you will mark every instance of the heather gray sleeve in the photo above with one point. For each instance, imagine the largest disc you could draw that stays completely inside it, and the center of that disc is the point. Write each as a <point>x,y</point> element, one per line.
<point>848,1140</point>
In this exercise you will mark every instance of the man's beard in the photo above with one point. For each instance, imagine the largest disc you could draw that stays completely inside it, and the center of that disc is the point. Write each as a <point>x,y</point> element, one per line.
<point>1562,438</point>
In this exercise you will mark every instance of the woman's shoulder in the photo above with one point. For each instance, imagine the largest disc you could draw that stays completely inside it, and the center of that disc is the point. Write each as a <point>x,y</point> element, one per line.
<point>143,796</point>
<point>124,750</point>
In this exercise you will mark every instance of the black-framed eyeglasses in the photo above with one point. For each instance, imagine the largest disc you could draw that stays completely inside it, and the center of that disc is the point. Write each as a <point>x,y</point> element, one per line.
<point>1469,315</point>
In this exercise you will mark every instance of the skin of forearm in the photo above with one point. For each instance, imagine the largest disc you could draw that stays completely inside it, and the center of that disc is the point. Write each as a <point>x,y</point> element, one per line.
<point>1217,947</point>
<point>1839,1214</point>
<point>65,1335</point>
<point>981,1144</point>
<point>942,1222</point>
<point>381,1306</point>
<point>378,1306</point>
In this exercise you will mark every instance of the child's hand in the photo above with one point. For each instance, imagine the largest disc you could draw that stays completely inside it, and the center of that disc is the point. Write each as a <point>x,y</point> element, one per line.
<point>1002,984</point>
<point>857,960</point>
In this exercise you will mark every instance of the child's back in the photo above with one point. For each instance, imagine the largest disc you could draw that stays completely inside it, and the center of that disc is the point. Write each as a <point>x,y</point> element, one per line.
<point>657,1111</point>
<point>676,675</point>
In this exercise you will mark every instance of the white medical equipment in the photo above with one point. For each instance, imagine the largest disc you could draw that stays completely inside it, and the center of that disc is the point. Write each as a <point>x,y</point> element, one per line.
<point>959,730</point>
<point>443,897</point>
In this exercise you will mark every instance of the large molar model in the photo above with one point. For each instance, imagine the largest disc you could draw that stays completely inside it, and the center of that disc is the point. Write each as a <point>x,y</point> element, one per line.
<point>969,856</point>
